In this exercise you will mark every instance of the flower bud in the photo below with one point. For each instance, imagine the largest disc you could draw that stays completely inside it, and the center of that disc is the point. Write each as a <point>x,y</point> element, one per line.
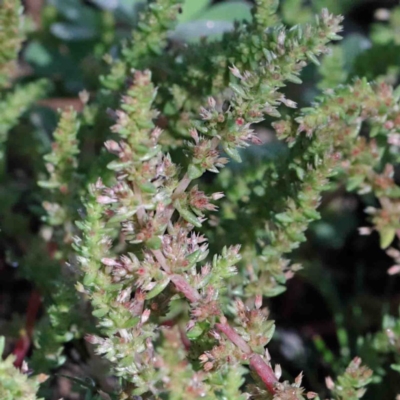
<point>105,200</point>
<point>145,316</point>
<point>394,270</point>
<point>235,72</point>
<point>211,102</point>
<point>329,383</point>
<point>278,371</point>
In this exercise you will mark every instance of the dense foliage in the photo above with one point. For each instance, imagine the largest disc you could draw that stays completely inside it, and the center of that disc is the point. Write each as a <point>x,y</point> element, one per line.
<point>205,188</point>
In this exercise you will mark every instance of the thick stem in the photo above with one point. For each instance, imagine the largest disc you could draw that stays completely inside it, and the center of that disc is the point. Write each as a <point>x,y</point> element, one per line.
<point>161,259</point>
<point>182,186</point>
<point>264,371</point>
<point>23,344</point>
<point>184,287</point>
<point>141,213</point>
<point>234,337</point>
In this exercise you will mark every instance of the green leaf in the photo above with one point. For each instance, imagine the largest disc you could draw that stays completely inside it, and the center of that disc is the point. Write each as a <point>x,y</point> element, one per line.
<point>118,165</point>
<point>312,57</point>
<point>122,217</point>
<point>269,329</point>
<point>238,90</point>
<point>193,30</point>
<point>100,312</point>
<point>274,291</point>
<point>130,323</point>
<point>48,184</point>
<point>192,258</point>
<point>395,367</point>
<point>37,54</point>
<point>72,32</point>
<point>197,330</point>
<point>157,289</point>
<point>312,214</point>
<point>227,11</point>
<point>354,182</point>
<point>148,187</point>
<point>154,243</point>
<point>86,382</point>
<point>106,4</point>
<point>284,217</point>
<point>194,171</point>
<point>387,235</point>
<point>232,152</point>
<point>294,79</point>
<point>187,215</point>
<point>192,8</point>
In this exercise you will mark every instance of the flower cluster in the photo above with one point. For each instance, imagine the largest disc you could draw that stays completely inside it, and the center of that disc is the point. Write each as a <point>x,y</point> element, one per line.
<point>15,384</point>
<point>152,209</point>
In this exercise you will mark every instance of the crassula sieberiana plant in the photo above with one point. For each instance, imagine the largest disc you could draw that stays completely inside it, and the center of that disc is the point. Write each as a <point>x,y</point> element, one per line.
<point>13,101</point>
<point>15,383</point>
<point>163,247</point>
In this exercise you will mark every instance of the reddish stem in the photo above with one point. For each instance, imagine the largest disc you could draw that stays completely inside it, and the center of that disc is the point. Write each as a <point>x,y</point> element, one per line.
<point>182,186</point>
<point>33,308</point>
<point>34,8</point>
<point>161,259</point>
<point>234,337</point>
<point>24,342</point>
<point>184,287</point>
<point>184,338</point>
<point>21,348</point>
<point>264,371</point>
<point>56,103</point>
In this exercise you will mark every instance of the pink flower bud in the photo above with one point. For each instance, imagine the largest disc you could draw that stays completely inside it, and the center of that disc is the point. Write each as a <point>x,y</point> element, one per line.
<point>217,195</point>
<point>208,366</point>
<point>211,102</point>
<point>92,339</point>
<point>235,72</point>
<point>105,200</point>
<point>157,131</point>
<point>84,96</point>
<point>278,371</point>
<point>24,367</point>
<point>203,358</point>
<point>394,270</point>
<point>298,379</point>
<point>391,336</point>
<point>329,383</point>
<point>255,140</point>
<point>389,125</point>
<point>288,102</point>
<point>356,361</point>
<point>99,184</point>
<point>258,301</point>
<point>145,316</point>
<point>112,146</point>
<point>394,139</point>
<point>190,325</point>
<point>110,262</point>
<point>194,135</point>
<point>281,37</point>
